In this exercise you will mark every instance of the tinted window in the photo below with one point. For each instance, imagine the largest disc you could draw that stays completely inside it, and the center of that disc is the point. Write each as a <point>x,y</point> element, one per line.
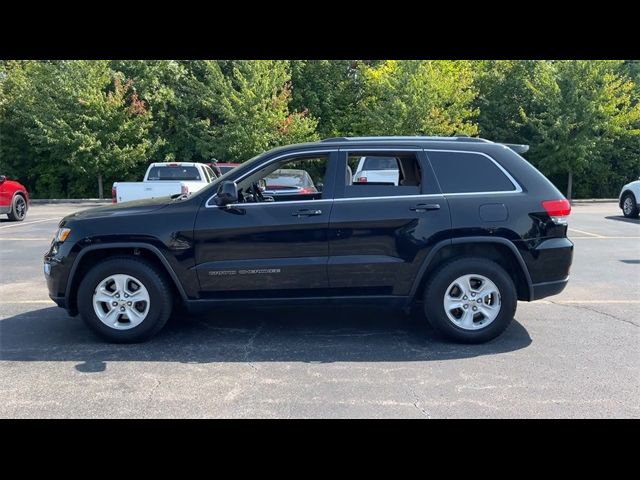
<point>460,172</point>
<point>225,169</point>
<point>174,173</point>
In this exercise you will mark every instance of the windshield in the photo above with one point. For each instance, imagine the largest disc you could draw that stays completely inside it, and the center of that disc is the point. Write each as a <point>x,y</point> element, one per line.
<point>173,173</point>
<point>287,178</point>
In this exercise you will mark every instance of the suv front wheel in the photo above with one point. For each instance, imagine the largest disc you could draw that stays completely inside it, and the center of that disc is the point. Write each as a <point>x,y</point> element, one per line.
<point>125,299</point>
<point>470,300</point>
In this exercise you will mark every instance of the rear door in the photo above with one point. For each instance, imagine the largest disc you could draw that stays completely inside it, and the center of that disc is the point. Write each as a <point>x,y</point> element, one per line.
<point>380,234</point>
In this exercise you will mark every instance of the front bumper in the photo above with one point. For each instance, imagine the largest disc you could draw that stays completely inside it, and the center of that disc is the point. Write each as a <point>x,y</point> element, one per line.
<point>56,266</point>
<point>60,301</point>
<point>547,289</point>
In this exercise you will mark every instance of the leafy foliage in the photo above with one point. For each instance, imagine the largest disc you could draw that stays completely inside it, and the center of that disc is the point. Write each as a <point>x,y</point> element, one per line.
<point>67,126</point>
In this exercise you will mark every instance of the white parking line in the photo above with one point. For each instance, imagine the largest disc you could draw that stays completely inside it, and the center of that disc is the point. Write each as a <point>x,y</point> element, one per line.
<point>605,238</point>
<point>613,302</point>
<point>20,302</point>
<point>22,224</point>
<point>585,233</point>
<point>17,239</point>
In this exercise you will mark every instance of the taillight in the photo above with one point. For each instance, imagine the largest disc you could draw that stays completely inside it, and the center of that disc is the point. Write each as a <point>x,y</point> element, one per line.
<point>558,210</point>
<point>361,180</point>
<point>306,190</point>
<point>114,195</point>
<point>184,190</point>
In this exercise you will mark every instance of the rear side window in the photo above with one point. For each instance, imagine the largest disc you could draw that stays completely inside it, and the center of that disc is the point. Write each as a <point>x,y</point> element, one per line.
<point>173,173</point>
<point>468,172</point>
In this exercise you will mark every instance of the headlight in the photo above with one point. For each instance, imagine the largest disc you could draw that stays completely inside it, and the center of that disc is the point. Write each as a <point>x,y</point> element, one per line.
<point>62,234</point>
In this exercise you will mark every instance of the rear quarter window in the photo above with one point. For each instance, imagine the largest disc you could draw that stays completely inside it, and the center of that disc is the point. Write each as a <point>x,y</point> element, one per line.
<point>468,172</point>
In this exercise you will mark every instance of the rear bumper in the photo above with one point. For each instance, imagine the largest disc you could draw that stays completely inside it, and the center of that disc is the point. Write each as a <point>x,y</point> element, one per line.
<point>547,289</point>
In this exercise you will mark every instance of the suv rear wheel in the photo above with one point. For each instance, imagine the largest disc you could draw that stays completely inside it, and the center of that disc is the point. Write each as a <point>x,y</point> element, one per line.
<point>470,300</point>
<point>18,208</point>
<point>125,299</point>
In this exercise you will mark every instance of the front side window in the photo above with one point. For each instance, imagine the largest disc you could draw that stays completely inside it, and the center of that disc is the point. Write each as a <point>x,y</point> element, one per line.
<point>468,172</point>
<point>288,180</point>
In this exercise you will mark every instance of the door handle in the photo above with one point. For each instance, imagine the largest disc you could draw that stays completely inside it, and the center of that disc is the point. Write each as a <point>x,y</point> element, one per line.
<point>305,212</point>
<point>423,207</point>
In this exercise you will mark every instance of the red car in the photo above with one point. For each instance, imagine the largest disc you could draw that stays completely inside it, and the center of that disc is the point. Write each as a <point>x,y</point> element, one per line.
<point>14,199</point>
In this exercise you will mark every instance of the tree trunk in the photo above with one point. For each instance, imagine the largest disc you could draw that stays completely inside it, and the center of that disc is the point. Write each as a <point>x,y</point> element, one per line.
<point>569,185</point>
<point>100,187</point>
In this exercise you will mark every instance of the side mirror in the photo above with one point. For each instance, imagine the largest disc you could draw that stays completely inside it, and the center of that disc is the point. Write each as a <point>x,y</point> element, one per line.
<point>2,178</point>
<point>227,193</point>
<point>319,186</point>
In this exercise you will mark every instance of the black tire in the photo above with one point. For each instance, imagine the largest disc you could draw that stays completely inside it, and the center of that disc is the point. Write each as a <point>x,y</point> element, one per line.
<point>154,280</point>
<point>18,208</point>
<point>439,282</point>
<point>633,213</point>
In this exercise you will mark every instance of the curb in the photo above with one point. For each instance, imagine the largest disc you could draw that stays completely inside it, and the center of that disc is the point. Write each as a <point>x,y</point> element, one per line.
<point>37,201</point>
<point>595,200</point>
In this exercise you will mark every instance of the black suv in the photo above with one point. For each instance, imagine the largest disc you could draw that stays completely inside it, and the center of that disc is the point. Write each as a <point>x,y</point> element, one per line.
<point>465,229</point>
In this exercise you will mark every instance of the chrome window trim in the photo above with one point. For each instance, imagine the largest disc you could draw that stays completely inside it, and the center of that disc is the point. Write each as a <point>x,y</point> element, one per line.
<point>518,188</point>
<point>286,202</point>
<point>262,165</point>
<point>359,199</point>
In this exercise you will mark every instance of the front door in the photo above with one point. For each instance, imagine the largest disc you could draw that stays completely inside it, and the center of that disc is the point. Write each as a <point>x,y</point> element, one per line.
<point>380,232</point>
<point>269,245</point>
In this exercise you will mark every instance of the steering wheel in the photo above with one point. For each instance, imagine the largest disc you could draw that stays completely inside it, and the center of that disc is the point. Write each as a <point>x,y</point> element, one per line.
<point>257,193</point>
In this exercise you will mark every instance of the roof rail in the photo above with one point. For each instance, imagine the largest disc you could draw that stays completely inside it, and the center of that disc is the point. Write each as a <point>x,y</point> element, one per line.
<point>408,138</point>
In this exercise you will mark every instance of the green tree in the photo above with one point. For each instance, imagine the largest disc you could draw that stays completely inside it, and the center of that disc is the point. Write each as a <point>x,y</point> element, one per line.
<point>251,108</point>
<point>580,109</point>
<point>502,96</point>
<point>411,97</point>
<point>329,90</point>
<point>80,116</point>
<point>227,109</point>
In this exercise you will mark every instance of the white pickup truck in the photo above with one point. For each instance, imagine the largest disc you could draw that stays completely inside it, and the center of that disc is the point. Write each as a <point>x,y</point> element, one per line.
<point>382,170</point>
<point>165,179</point>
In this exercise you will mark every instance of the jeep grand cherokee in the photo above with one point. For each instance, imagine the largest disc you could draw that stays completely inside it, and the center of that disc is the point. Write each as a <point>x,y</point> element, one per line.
<point>470,228</point>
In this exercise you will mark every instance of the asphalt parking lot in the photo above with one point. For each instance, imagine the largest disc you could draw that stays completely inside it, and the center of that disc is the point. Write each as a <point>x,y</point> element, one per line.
<point>573,355</point>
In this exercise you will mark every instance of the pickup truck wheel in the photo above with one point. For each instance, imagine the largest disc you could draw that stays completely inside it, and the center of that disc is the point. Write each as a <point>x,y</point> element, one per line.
<point>630,206</point>
<point>470,300</point>
<point>125,299</point>
<point>18,209</point>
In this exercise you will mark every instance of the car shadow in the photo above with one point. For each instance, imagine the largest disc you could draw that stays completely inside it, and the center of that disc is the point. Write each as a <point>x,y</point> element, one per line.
<point>318,335</point>
<point>621,218</point>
